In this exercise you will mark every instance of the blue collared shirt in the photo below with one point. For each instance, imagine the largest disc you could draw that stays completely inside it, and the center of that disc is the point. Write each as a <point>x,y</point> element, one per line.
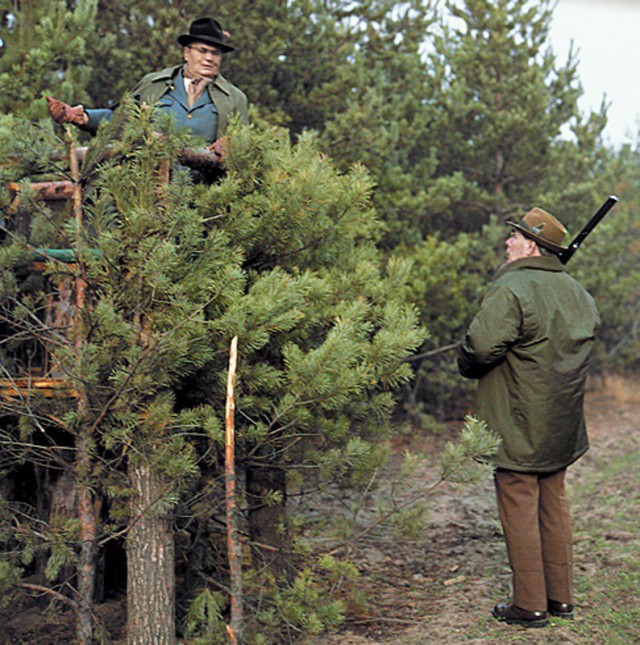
<point>201,119</point>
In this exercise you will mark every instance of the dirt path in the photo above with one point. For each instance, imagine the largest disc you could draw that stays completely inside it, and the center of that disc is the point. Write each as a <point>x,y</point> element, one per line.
<point>441,586</point>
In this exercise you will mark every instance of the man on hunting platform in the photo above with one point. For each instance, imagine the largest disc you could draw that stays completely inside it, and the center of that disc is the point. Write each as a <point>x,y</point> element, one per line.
<point>195,93</point>
<point>529,348</point>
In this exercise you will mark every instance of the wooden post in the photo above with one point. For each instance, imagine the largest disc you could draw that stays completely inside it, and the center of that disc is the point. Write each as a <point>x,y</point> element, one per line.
<point>78,215</point>
<point>234,629</point>
<point>87,503</point>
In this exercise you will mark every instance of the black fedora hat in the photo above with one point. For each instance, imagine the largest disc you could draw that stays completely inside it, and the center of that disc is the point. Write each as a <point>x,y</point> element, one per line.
<point>208,31</point>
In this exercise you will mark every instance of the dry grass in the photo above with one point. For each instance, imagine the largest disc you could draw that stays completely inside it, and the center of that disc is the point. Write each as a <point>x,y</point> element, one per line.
<point>621,389</point>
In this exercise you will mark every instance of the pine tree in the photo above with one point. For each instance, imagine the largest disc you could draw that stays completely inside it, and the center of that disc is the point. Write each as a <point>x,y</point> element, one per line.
<point>501,104</point>
<point>284,253</point>
<point>153,276</point>
<point>44,49</point>
<point>281,254</point>
<point>141,313</point>
<point>307,326</point>
<point>385,122</point>
<point>607,262</point>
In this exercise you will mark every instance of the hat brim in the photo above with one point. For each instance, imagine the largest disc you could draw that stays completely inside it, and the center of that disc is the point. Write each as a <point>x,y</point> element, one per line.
<point>187,39</point>
<point>538,239</point>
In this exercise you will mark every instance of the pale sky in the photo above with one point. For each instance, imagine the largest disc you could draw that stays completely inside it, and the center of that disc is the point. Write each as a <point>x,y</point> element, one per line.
<point>607,36</point>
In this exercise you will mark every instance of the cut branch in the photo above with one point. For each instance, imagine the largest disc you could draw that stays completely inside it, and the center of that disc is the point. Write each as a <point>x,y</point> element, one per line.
<point>234,629</point>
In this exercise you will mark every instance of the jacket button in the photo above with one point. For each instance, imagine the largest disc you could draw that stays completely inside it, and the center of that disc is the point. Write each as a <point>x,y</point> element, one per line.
<point>189,116</point>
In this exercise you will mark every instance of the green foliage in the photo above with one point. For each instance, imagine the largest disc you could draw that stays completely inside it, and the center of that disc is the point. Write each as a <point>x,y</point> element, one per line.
<point>446,282</point>
<point>409,523</point>
<point>44,49</point>
<point>26,150</point>
<point>402,506</point>
<point>204,624</point>
<point>10,565</point>
<point>322,328</point>
<point>25,538</point>
<point>357,223</point>
<point>9,578</point>
<point>608,267</point>
<point>502,105</point>
<point>280,253</point>
<point>60,554</point>
<point>466,461</point>
<point>304,607</point>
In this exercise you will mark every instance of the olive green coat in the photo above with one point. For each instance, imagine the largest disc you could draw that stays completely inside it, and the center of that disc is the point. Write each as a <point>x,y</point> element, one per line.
<point>227,98</point>
<point>529,347</point>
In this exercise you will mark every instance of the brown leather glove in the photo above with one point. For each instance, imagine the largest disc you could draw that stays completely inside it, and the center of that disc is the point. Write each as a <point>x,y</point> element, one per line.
<point>220,147</point>
<point>62,113</point>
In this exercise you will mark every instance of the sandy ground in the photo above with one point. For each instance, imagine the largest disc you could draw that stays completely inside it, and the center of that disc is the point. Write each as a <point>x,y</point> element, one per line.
<point>441,586</point>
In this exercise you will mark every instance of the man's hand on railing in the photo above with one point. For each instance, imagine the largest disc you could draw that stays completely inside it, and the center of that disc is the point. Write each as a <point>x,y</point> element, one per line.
<point>220,147</point>
<point>62,113</point>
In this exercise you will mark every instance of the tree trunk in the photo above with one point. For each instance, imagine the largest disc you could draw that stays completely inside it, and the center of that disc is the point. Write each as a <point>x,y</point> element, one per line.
<point>86,563</point>
<point>87,509</point>
<point>150,562</point>
<point>266,523</point>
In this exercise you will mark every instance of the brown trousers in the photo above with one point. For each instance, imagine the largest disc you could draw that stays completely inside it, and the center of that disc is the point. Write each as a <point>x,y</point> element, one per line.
<point>534,512</point>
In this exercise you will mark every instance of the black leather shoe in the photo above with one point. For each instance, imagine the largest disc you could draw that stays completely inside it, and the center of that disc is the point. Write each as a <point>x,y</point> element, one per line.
<point>560,609</point>
<point>513,615</point>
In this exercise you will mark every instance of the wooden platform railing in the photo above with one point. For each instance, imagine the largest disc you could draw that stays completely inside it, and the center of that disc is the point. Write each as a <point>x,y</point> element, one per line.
<point>60,302</point>
<point>41,378</point>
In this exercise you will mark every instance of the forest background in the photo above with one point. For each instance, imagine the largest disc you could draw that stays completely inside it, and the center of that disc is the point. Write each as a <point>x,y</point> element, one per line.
<point>361,215</point>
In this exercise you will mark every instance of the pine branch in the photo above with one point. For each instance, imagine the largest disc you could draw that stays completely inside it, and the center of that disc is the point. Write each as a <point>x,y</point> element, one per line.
<point>394,510</point>
<point>433,352</point>
<point>51,592</point>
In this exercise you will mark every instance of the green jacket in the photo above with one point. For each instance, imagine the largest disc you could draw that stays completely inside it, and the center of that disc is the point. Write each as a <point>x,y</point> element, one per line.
<point>228,99</point>
<point>529,346</point>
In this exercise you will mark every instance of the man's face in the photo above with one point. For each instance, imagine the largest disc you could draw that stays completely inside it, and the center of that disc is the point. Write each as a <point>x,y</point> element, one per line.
<point>202,60</point>
<point>518,246</point>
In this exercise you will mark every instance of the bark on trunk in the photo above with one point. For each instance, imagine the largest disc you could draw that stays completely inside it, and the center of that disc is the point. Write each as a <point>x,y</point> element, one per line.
<point>87,509</point>
<point>266,523</point>
<point>150,562</point>
<point>87,514</point>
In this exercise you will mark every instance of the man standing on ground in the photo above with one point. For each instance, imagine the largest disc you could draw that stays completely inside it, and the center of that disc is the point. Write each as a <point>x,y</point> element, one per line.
<point>195,93</point>
<point>529,346</point>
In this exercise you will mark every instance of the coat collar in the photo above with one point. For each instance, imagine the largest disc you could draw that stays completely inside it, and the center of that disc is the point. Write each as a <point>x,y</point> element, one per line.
<point>168,74</point>
<point>541,263</point>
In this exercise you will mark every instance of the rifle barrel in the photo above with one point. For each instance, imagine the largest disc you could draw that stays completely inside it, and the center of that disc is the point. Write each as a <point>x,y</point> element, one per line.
<point>565,256</point>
